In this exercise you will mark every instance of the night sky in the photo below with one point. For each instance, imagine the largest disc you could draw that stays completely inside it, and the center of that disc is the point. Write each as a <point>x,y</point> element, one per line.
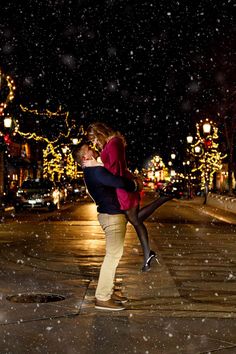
<point>150,69</point>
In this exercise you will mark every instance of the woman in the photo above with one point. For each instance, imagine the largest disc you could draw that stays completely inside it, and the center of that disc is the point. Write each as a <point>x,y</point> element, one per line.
<point>112,147</point>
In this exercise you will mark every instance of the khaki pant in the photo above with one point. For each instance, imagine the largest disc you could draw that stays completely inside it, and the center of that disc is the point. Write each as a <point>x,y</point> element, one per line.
<point>114,227</point>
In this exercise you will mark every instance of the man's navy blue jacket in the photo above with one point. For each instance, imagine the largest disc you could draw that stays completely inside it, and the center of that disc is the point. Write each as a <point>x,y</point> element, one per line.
<point>102,184</point>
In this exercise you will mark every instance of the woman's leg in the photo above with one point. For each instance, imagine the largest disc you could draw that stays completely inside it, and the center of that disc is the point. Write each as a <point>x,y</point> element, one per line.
<point>140,228</point>
<point>147,210</point>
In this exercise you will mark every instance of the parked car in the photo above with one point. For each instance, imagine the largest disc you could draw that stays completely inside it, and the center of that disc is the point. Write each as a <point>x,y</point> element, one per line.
<point>176,189</point>
<point>38,193</point>
<point>77,188</point>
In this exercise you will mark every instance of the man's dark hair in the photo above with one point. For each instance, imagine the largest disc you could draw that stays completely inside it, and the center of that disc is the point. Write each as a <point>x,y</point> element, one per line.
<point>76,150</point>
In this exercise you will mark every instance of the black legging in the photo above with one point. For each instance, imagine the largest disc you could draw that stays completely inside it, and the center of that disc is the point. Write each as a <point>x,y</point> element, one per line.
<point>137,216</point>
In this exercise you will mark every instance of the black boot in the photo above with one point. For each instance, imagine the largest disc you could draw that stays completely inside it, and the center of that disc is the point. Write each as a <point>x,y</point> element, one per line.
<point>147,265</point>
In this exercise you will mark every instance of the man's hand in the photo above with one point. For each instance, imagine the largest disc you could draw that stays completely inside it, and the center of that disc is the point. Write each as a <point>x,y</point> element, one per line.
<point>91,163</point>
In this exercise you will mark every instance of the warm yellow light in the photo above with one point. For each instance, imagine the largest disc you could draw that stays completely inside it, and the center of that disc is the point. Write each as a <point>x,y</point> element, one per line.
<point>75,141</point>
<point>189,139</point>
<point>206,128</point>
<point>64,149</point>
<point>7,122</point>
<point>11,88</point>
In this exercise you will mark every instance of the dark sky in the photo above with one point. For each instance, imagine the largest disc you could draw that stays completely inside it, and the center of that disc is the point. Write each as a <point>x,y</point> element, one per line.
<point>150,69</point>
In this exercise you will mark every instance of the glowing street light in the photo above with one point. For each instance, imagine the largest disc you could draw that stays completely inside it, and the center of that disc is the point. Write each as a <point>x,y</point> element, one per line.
<point>206,127</point>
<point>75,141</point>
<point>189,139</point>
<point>7,122</point>
<point>197,149</point>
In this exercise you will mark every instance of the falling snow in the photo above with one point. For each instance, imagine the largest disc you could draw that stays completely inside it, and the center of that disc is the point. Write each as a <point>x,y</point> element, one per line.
<point>146,64</point>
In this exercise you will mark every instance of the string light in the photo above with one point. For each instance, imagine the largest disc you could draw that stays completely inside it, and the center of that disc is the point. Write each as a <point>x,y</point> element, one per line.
<point>11,88</point>
<point>55,166</point>
<point>49,114</point>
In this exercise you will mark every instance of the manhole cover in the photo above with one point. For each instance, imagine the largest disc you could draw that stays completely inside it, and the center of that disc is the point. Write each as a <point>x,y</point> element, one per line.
<point>37,298</point>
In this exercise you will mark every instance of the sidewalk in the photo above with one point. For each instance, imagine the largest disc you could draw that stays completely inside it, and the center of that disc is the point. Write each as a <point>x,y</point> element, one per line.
<point>217,213</point>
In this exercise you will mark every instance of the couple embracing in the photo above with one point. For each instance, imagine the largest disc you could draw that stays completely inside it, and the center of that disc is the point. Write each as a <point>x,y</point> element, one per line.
<point>115,191</point>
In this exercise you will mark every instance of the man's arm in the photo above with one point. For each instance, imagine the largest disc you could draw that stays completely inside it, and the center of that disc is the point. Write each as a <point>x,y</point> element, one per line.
<point>108,179</point>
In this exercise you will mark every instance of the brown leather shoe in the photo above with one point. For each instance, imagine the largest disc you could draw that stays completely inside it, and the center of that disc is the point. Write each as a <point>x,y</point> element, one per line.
<point>108,305</point>
<point>118,297</point>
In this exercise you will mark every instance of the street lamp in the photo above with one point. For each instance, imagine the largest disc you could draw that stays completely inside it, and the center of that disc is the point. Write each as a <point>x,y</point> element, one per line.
<point>202,149</point>
<point>189,139</point>
<point>64,149</point>
<point>7,122</point>
<point>197,149</point>
<point>75,141</point>
<point>206,127</point>
<point>171,164</point>
<point>9,127</point>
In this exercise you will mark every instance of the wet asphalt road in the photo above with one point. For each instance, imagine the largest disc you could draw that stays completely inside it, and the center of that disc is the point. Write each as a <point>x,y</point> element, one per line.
<point>184,305</point>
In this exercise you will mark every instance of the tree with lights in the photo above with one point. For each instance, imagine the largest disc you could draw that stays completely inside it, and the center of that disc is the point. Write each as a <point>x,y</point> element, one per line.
<point>58,163</point>
<point>206,151</point>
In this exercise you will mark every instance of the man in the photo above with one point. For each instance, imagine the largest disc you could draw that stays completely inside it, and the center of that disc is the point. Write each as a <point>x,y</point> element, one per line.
<point>101,185</point>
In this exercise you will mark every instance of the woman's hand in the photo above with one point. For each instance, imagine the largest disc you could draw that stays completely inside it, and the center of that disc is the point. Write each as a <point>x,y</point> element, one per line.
<point>139,182</point>
<point>91,163</point>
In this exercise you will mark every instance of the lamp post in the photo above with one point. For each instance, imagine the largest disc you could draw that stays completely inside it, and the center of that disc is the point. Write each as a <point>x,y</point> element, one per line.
<point>207,140</point>
<point>187,177</point>
<point>7,124</point>
<point>189,165</point>
<point>171,164</point>
<point>202,151</point>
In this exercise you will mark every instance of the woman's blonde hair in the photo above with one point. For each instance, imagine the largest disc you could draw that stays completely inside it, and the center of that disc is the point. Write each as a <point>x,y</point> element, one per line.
<point>102,133</point>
